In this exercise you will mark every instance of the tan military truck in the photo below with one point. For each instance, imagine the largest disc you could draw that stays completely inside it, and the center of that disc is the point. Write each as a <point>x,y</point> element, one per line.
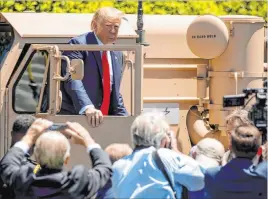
<point>190,64</point>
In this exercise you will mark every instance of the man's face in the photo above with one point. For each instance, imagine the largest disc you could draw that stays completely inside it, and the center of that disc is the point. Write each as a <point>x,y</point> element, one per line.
<point>107,30</point>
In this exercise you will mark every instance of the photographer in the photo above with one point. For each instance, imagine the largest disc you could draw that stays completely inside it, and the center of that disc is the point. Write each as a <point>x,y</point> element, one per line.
<point>52,151</point>
<point>232,180</point>
<point>140,174</point>
<point>237,118</point>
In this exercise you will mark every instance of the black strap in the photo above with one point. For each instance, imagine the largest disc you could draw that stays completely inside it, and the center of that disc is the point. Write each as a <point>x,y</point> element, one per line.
<point>161,166</point>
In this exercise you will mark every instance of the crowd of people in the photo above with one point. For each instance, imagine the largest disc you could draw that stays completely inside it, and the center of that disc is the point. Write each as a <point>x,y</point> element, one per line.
<point>152,167</point>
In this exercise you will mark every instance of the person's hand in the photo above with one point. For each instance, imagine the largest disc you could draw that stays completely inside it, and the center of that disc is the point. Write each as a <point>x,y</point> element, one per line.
<point>173,141</point>
<point>35,130</point>
<point>170,141</point>
<point>78,134</point>
<point>94,116</point>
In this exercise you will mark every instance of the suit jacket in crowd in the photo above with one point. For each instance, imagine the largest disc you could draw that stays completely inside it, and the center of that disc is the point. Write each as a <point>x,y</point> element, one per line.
<point>137,175</point>
<point>106,192</point>
<point>77,94</point>
<point>259,170</point>
<point>232,181</point>
<point>80,182</point>
<point>6,192</point>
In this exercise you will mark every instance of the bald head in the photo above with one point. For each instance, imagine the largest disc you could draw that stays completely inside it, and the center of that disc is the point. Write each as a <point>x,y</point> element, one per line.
<point>51,150</point>
<point>209,152</point>
<point>116,151</point>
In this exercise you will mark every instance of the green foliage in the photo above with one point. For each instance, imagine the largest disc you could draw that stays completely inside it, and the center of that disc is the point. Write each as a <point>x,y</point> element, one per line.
<point>173,7</point>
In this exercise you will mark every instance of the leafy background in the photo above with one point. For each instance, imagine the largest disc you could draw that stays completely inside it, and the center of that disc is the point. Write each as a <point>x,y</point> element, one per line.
<point>256,8</point>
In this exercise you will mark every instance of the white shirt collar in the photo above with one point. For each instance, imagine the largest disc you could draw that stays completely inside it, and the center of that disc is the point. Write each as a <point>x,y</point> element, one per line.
<point>98,40</point>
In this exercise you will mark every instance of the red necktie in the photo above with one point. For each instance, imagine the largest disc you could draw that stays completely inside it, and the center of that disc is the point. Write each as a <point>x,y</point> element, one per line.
<point>106,84</point>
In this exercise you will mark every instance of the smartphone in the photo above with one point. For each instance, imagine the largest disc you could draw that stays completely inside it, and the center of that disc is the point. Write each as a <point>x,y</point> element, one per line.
<point>58,127</point>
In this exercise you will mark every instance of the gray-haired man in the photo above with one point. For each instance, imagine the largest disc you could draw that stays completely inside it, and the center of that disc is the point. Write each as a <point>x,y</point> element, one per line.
<point>139,176</point>
<point>52,152</point>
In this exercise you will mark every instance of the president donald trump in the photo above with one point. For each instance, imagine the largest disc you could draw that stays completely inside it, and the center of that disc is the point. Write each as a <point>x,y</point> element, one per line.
<point>98,93</point>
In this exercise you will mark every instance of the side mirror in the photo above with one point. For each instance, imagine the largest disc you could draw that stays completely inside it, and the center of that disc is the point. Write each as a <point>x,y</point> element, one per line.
<point>77,69</point>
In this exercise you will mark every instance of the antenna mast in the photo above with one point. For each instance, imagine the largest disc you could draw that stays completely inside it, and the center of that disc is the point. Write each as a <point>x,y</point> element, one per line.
<point>140,30</point>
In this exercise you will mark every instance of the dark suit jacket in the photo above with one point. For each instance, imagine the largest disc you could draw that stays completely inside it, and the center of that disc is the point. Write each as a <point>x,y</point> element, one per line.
<point>6,192</point>
<point>77,94</point>
<point>80,182</point>
<point>106,192</point>
<point>259,170</point>
<point>233,182</point>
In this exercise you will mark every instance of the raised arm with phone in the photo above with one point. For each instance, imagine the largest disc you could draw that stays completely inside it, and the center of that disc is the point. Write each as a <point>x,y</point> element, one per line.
<point>52,152</point>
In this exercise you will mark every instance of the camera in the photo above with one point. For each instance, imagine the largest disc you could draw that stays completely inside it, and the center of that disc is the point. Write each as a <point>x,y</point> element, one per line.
<point>258,112</point>
<point>60,128</point>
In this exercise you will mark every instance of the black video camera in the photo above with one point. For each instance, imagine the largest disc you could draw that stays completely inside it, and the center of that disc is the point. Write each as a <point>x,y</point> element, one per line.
<point>258,112</point>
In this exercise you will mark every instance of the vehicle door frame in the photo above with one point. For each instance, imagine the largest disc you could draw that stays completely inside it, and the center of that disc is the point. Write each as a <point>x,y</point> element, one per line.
<point>116,126</point>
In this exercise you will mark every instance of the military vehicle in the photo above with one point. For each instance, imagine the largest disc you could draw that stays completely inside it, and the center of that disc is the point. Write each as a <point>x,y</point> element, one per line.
<point>191,62</point>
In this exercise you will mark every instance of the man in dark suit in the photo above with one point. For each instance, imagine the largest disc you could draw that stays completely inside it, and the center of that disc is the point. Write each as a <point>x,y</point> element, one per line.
<point>19,129</point>
<point>98,93</point>
<point>52,151</point>
<point>232,180</point>
<point>259,167</point>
